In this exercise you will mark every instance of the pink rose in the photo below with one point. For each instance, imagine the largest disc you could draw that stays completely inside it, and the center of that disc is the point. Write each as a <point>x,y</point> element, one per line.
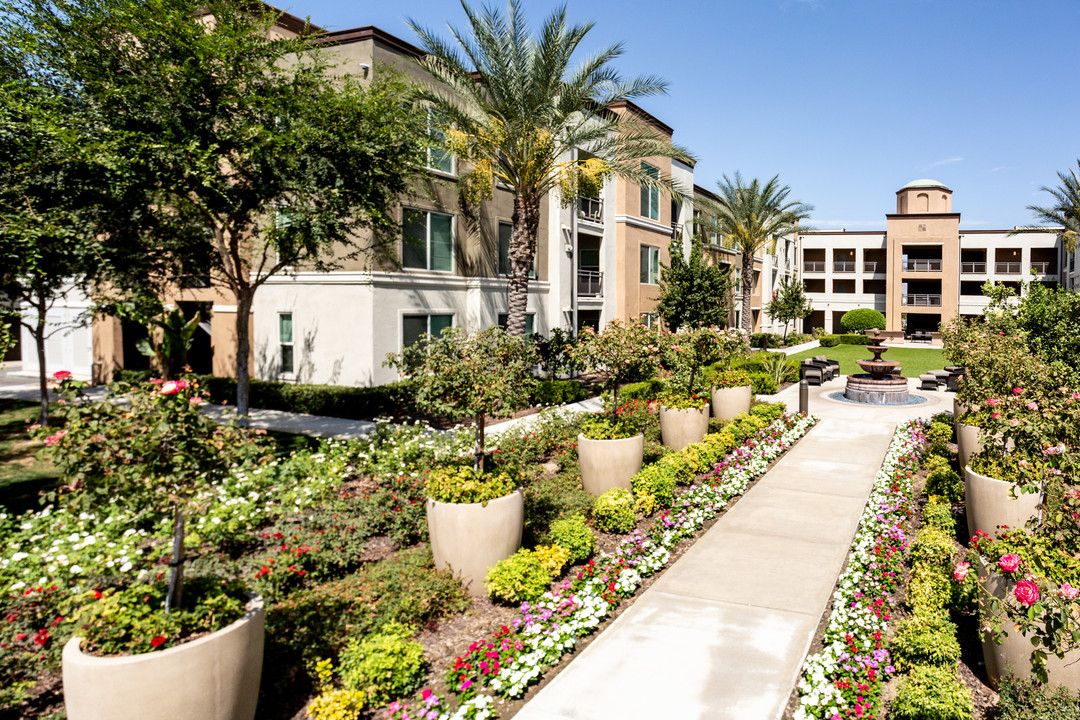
<point>1026,592</point>
<point>992,401</point>
<point>1068,592</point>
<point>1014,422</point>
<point>169,388</point>
<point>53,439</point>
<point>61,375</point>
<point>1032,406</point>
<point>995,415</point>
<point>961,571</point>
<point>1009,563</point>
<point>1018,390</point>
<point>195,400</point>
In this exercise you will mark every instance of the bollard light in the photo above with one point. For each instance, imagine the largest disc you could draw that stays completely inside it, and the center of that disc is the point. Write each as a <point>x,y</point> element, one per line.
<point>804,396</point>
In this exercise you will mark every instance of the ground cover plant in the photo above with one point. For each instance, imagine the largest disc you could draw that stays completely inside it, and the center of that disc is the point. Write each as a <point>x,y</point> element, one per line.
<point>914,361</point>
<point>22,474</point>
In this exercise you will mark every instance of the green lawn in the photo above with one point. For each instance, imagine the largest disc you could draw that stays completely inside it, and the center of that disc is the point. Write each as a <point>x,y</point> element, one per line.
<point>914,361</point>
<point>22,475</point>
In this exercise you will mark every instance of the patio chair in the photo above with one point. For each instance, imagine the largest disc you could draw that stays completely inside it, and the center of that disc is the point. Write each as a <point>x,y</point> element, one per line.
<point>928,382</point>
<point>810,372</point>
<point>833,365</point>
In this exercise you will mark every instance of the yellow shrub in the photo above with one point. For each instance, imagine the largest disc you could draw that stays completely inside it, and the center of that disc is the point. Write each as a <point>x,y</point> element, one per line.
<point>337,705</point>
<point>553,558</point>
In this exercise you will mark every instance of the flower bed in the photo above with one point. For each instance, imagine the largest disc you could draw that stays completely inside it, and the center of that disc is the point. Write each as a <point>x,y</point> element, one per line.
<point>516,656</point>
<point>845,679</point>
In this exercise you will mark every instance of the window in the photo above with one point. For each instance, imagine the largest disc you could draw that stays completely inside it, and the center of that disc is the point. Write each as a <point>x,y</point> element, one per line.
<point>285,341</point>
<point>438,157</point>
<point>414,327</point>
<point>529,322</point>
<point>428,242</point>
<point>650,319</point>
<point>505,230</point>
<point>650,196</point>
<point>650,265</point>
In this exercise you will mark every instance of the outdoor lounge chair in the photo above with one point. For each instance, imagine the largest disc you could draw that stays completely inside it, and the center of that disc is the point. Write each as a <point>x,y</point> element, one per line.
<point>833,365</point>
<point>810,372</point>
<point>928,382</point>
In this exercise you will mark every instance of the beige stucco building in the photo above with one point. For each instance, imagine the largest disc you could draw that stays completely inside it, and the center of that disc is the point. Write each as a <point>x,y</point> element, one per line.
<point>924,268</point>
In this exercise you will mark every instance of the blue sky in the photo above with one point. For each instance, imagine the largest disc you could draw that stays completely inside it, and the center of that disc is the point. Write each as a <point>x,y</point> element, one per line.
<point>846,100</point>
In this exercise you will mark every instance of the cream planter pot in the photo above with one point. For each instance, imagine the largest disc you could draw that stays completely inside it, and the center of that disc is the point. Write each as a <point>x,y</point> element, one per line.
<point>1013,655</point>
<point>958,409</point>
<point>213,678</point>
<point>607,464</point>
<point>967,442</point>
<point>727,403</point>
<point>990,503</point>
<point>471,538</point>
<point>680,428</point>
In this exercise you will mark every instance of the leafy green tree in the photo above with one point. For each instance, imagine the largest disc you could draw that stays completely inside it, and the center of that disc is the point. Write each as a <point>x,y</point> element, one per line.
<point>484,374</point>
<point>693,292</point>
<point>860,319</point>
<point>752,217</point>
<point>624,350</point>
<point>518,112</point>
<point>244,150</point>
<point>790,303</point>
<point>1066,208</point>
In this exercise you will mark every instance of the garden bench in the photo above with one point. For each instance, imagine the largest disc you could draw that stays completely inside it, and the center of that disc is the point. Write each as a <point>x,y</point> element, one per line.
<point>928,382</point>
<point>920,336</point>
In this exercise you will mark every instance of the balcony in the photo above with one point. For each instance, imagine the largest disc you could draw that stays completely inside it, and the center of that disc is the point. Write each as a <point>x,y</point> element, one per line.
<point>590,283</point>
<point>843,266</point>
<point>1042,268</point>
<point>676,230</point>
<point>921,300</point>
<point>972,268</point>
<point>591,209</point>
<point>814,266</point>
<point>930,265</point>
<point>1007,268</point>
<point>871,266</point>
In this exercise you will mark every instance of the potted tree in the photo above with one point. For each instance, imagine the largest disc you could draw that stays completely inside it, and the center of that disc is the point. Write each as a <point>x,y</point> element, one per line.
<point>611,449</point>
<point>731,389</point>
<point>684,408</point>
<point>474,518</point>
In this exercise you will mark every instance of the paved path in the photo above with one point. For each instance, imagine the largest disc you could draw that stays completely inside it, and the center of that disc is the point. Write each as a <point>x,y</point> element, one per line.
<point>723,633</point>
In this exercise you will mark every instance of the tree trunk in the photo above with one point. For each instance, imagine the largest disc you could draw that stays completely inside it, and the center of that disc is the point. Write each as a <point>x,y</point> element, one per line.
<point>690,387</point>
<point>243,350</point>
<point>525,223</point>
<point>747,290</point>
<point>479,464</point>
<point>614,402</point>
<point>39,341</point>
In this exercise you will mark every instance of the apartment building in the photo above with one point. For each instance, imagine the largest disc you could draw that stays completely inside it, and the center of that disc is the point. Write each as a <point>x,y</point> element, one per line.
<point>923,269</point>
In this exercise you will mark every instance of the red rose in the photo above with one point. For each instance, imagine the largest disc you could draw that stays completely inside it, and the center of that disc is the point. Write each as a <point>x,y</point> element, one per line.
<point>157,640</point>
<point>61,375</point>
<point>1026,592</point>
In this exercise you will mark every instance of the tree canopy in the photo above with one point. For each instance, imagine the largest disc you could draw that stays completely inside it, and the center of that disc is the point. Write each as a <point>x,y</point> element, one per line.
<point>1066,208</point>
<point>693,292</point>
<point>790,303</point>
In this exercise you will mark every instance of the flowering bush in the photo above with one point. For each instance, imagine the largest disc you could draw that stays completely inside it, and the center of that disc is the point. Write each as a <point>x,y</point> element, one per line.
<point>681,401</point>
<point>604,426</point>
<point>845,679</point>
<point>684,354</point>
<point>464,485</point>
<point>623,351</point>
<point>729,378</point>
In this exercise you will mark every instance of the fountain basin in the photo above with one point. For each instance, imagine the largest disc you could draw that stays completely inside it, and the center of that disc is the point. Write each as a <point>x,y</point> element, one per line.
<point>890,390</point>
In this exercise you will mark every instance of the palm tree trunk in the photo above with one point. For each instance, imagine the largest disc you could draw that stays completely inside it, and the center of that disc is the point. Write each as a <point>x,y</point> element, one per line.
<point>747,290</point>
<point>525,223</point>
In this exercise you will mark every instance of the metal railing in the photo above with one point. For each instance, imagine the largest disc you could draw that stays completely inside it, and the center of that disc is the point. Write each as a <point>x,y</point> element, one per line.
<point>1007,268</point>
<point>591,209</point>
<point>1043,268</point>
<point>931,265</point>
<point>676,230</point>
<point>973,268</point>
<point>590,283</point>
<point>871,266</point>
<point>843,266</point>
<point>921,300</point>
<point>814,266</point>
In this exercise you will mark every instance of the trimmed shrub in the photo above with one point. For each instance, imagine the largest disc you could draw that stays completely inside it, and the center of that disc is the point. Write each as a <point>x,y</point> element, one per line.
<point>1027,700</point>
<point>828,341</point>
<point>798,338</point>
<point>939,515</point>
<point>337,705</point>
<point>462,484</point>
<point>574,536</point>
<point>646,390</point>
<point>765,340</point>
<point>682,469</point>
<point>763,384</point>
<point>553,558</point>
<point>946,483</point>
<point>558,392</point>
<point>768,412</point>
<point>929,591</point>
<point>384,666</point>
<point>925,640</point>
<point>519,578</point>
<point>862,319</point>
<point>932,693</point>
<point>613,511</point>
<point>932,548</point>
<point>940,431</point>
<point>654,488</point>
<point>720,444</point>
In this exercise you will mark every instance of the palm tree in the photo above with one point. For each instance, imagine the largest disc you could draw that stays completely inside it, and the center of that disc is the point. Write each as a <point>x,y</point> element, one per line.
<point>750,217</point>
<point>1066,211</point>
<point>513,107</point>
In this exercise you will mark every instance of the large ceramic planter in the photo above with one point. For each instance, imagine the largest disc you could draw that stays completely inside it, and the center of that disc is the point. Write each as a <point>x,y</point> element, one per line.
<point>607,464</point>
<point>727,403</point>
<point>958,409</point>
<point>471,538</point>
<point>990,503</point>
<point>680,428</point>
<point>1013,655</point>
<point>213,678</point>
<point>967,442</point>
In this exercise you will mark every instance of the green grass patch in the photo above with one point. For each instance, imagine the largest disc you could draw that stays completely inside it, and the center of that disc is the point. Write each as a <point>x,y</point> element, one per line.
<point>914,361</point>
<point>22,475</point>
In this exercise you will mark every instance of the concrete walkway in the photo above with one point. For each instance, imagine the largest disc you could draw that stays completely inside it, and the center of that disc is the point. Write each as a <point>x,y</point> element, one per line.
<point>724,632</point>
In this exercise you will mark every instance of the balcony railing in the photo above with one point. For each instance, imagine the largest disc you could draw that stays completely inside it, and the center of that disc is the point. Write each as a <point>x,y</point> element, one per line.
<point>676,230</point>
<point>843,266</point>
<point>871,266</point>
<point>591,209</point>
<point>972,268</point>
<point>814,266</point>
<point>590,283</point>
<point>933,265</point>
<point>1007,268</point>
<point>1043,268</point>
<point>921,300</point>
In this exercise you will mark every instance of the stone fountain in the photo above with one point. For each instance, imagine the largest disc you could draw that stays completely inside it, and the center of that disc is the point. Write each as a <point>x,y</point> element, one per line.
<point>880,384</point>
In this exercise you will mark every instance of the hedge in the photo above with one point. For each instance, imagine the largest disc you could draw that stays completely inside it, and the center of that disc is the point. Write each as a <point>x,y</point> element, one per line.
<point>852,339</point>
